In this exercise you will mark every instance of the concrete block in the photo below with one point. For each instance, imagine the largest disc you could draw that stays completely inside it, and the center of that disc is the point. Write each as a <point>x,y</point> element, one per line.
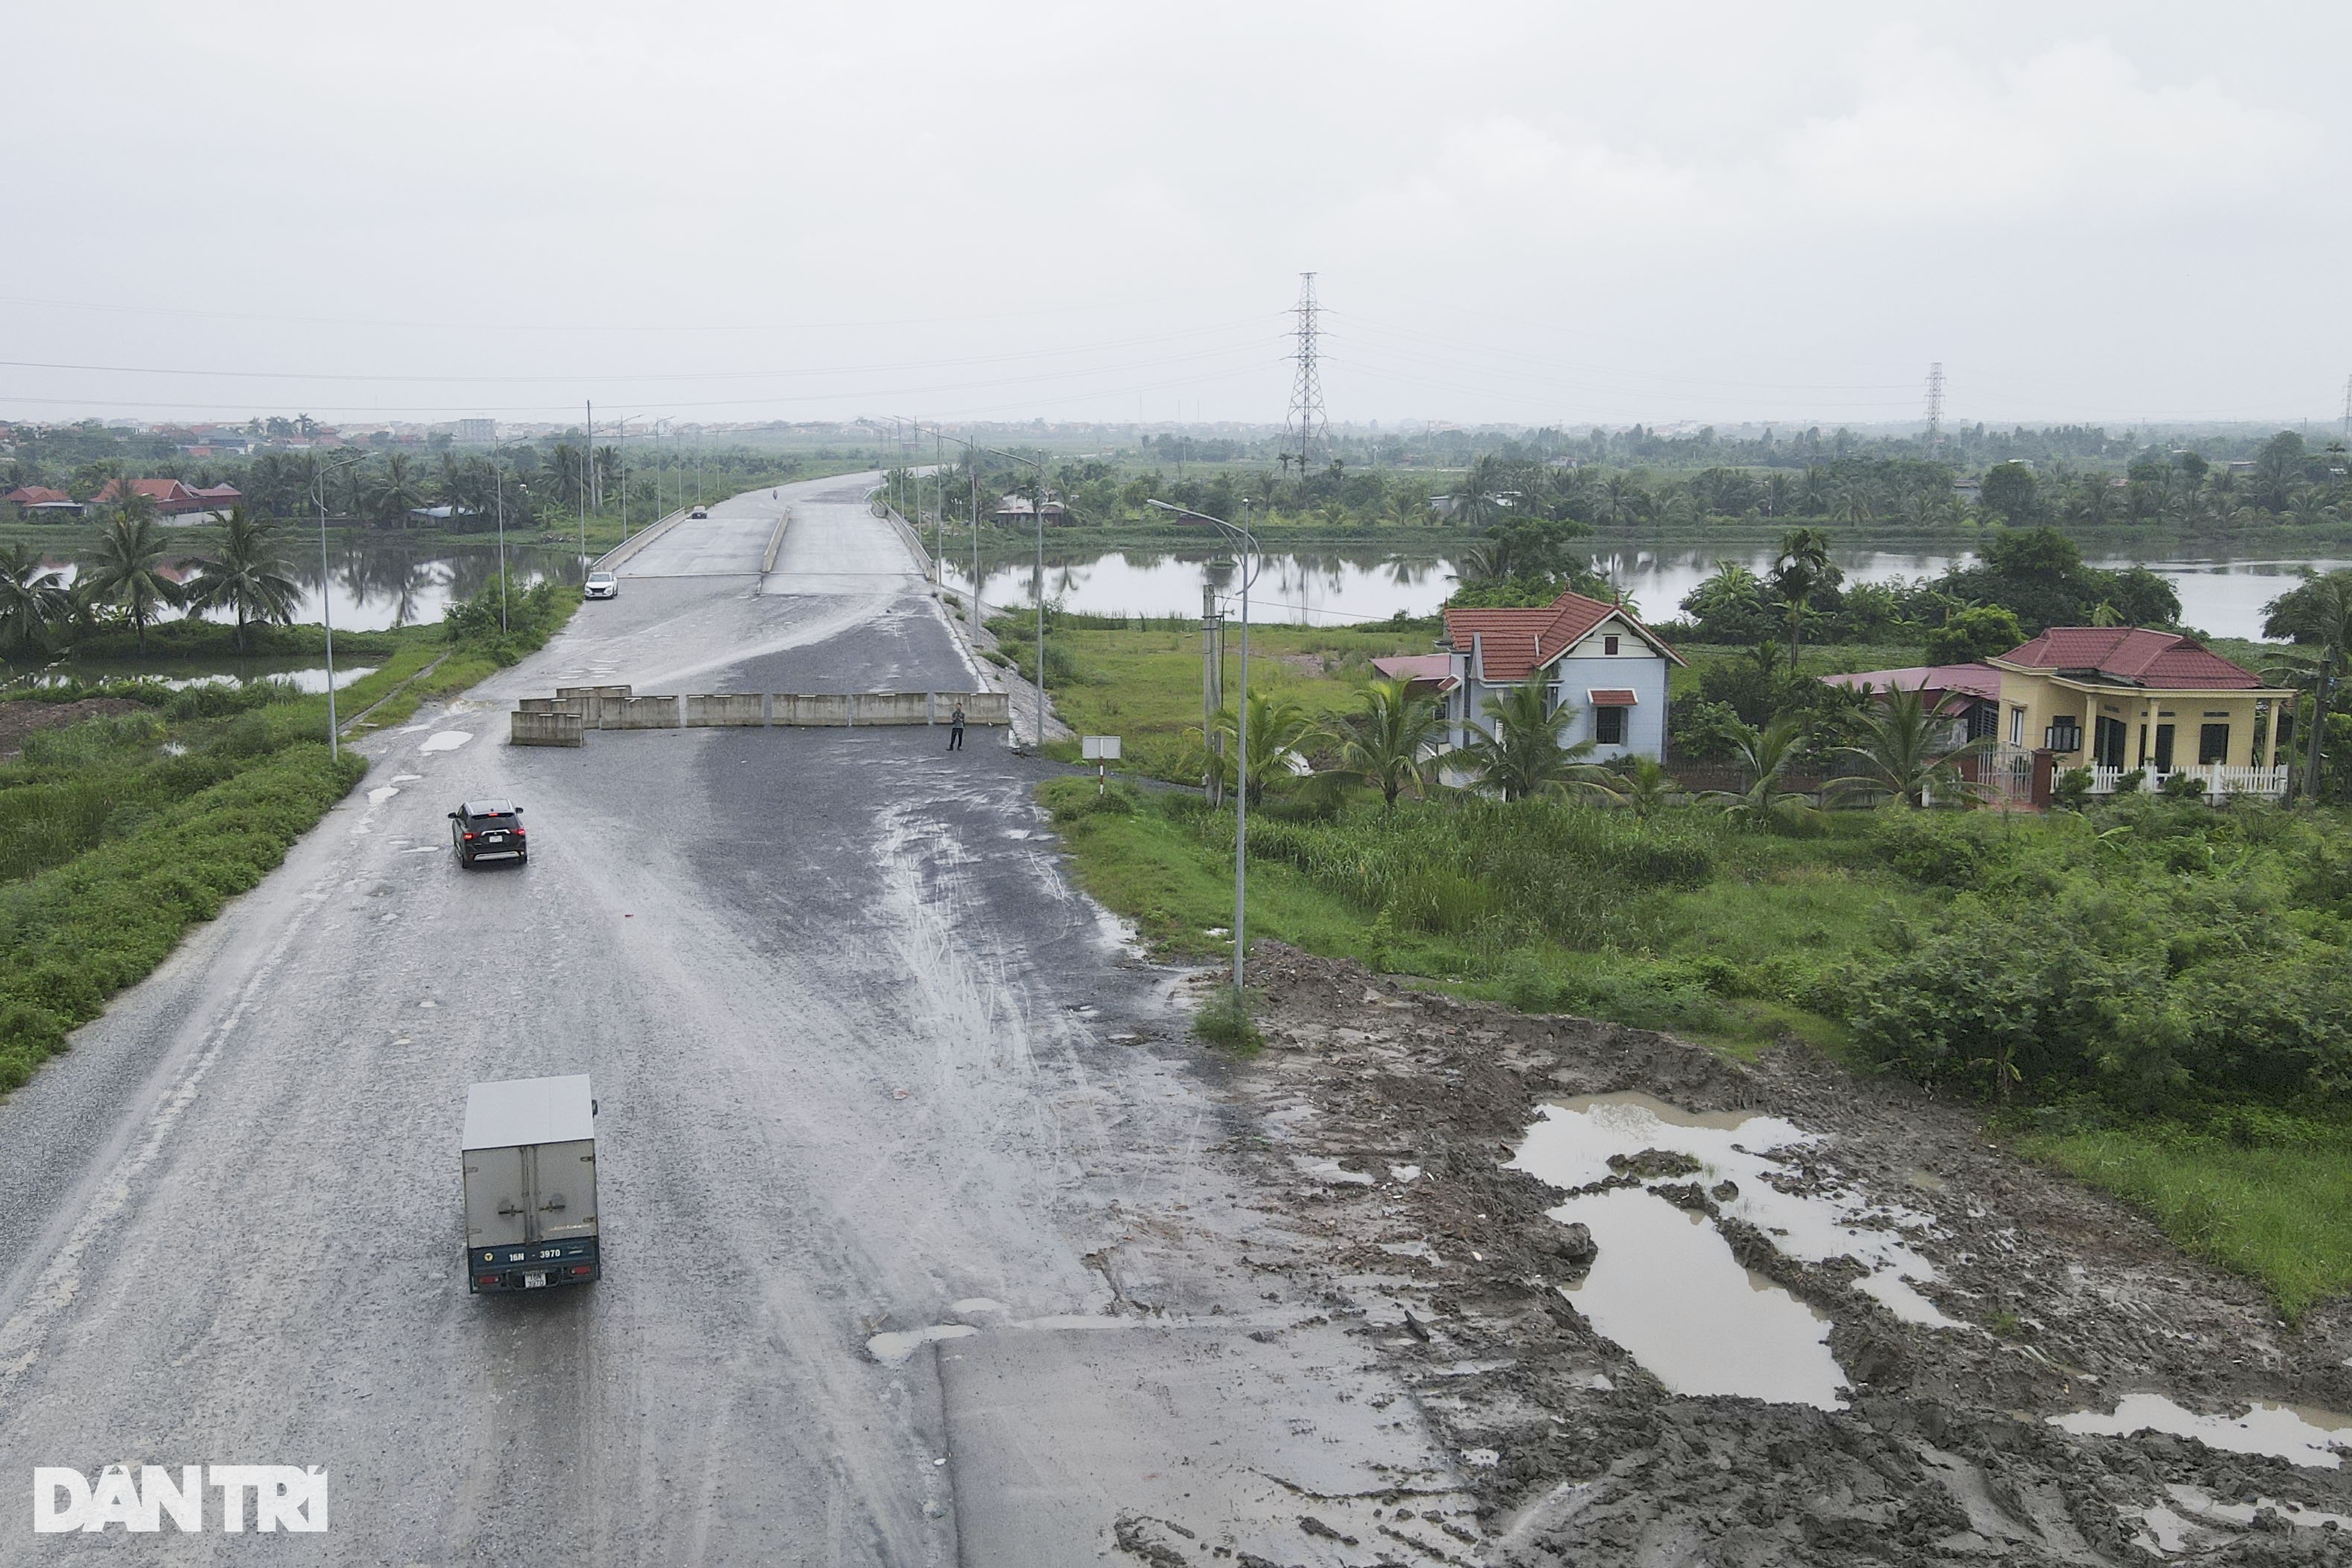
<point>810,709</point>
<point>639,713</point>
<point>545,729</point>
<point>732,708</point>
<point>892,708</point>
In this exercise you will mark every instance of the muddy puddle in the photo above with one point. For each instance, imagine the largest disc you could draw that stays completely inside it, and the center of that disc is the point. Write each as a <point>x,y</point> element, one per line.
<point>2298,1433</point>
<point>1666,1285</point>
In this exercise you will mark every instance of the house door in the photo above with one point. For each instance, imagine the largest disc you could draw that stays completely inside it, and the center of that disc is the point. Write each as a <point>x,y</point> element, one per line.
<point>2164,747</point>
<point>2108,741</point>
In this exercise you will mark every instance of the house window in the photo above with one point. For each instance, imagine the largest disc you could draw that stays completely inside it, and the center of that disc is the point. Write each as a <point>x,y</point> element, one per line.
<point>2065,735</point>
<point>1609,646</point>
<point>2212,744</point>
<point>1609,726</point>
<point>2017,726</point>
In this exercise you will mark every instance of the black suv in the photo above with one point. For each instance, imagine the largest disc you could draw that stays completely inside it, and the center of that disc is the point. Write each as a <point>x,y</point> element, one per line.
<point>489,830</point>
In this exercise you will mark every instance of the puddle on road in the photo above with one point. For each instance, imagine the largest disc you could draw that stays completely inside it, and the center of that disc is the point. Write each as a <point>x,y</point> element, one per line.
<point>1572,1145</point>
<point>444,741</point>
<point>2298,1433</point>
<point>2196,1520</point>
<point>1667,1288</point>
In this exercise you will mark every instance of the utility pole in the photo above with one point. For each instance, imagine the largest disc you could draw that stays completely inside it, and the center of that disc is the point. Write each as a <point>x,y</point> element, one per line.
<point>1935,410</point>
<point>1213,695</point>
<point>586,474</point>
<point>972,452</point>
<point>938,513</point>
<point>498,482</point>
<point>1306,429</point>
<point>1038,511</point>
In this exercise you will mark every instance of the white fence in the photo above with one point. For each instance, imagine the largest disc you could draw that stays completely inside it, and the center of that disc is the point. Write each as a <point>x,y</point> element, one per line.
<point>2221,781</point>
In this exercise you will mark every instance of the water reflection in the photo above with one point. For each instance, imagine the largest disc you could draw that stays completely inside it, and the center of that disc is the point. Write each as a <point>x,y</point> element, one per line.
<point>2222,598</point>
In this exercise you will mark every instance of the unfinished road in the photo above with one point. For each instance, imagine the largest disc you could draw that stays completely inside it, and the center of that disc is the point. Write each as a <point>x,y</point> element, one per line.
<point>919,1248</point>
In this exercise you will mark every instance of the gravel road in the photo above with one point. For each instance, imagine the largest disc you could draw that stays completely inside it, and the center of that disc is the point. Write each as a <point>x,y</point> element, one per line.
<point>920,1246</point>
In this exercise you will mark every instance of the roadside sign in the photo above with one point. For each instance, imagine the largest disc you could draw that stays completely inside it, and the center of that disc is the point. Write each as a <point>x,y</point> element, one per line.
<point>1098,748</point>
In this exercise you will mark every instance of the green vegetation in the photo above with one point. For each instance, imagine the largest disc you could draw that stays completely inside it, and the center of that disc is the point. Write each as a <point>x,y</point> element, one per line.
<point>119,832</point>
<point>2154,969</point>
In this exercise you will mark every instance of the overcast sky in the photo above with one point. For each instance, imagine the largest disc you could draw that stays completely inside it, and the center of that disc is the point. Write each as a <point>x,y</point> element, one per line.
<point>1538,212</point>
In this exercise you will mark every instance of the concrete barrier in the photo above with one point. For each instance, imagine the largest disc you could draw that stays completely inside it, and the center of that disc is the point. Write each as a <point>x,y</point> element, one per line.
<point>776,542</point>
<point>809,709</point>
<point>638,713</point>
<point>545,729</point>
<point>732,708</point>
<point>890,708</point>
<point>979,707</point>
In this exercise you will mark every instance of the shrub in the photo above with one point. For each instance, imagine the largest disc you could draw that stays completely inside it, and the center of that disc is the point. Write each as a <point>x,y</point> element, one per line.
<point>1229,1018</point>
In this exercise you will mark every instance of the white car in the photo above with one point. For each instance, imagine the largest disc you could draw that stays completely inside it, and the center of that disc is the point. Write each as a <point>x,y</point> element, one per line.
<point>697,513</point>
<point>603,586</point>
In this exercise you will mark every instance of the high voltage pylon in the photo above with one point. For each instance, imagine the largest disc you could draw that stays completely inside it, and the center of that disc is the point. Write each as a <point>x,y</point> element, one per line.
<point>2347,412</point>
<point>1307,431</point>
<point>1935,408</point>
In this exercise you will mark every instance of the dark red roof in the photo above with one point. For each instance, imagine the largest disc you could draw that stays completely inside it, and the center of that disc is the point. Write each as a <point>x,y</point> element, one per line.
<point>1611,696</point>
<point>2163,660</point>
<point>36,494</point>
<point>219,492</point>
<point>1512,644</point>
<point>1435,670</point>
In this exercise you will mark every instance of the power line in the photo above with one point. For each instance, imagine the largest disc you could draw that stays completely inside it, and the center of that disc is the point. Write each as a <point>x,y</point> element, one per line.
<point>1306,429</point>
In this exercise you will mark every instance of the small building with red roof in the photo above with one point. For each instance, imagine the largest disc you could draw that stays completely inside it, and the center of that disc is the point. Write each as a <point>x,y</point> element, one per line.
<point>1603,671</point>
<point>43,499</point>
<point>2116,698</point>
<point>171,498</point>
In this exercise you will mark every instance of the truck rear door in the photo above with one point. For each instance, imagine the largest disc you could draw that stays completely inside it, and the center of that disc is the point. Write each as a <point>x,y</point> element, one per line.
<point>564,1190</point>
<point>497,1198</point>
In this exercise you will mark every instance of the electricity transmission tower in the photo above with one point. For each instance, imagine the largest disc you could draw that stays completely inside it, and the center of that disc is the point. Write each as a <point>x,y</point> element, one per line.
<point>1935,409</point>
<point>1306,430</point>
<point>2347,412</point>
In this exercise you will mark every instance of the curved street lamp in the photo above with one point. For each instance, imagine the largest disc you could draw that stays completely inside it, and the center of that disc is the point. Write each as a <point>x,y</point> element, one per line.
<point>1246,542</point>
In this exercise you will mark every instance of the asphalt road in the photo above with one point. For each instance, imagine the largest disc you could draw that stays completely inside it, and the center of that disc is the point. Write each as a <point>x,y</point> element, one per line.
<point>919,1250</point>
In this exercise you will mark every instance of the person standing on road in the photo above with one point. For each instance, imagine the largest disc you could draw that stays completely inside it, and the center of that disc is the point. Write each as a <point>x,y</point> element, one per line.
<point>955,729</point>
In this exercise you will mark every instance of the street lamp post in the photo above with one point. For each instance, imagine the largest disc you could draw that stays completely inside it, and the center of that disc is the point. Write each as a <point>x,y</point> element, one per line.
<point>1247,542</point>
<point>326,609</point>
<point>498,484</point>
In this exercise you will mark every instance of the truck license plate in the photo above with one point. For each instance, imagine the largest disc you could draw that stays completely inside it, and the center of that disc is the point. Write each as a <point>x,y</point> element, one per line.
<point>534,1281</point>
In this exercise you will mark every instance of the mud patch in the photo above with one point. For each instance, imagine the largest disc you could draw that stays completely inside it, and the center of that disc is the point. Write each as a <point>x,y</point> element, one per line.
<point>1462,1282</point>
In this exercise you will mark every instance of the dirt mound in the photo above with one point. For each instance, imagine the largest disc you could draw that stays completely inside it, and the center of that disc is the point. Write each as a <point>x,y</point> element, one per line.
<point>1390,1115</point>
<point>20,719</point>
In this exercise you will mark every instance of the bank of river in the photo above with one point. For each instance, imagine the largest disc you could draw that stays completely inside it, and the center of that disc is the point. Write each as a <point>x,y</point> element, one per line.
<point>2222,597</point>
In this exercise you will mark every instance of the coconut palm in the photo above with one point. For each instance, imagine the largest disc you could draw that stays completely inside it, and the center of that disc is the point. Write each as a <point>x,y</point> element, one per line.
<point>126,568</point>
<point>248,578</point>
<point>397,493</point>
<point>33,601</point>
<point>1765,754</point>
<point>130,504</point>
<point>1383,743</point>
<point>1517,753</point>
<point>1642,789</point>
<point>1901,758</point>
<point>1277,728</point>
<point>2318,616</point>
<point>2309,508</point>
<point>1802,567</point>
<point>1478,501</point>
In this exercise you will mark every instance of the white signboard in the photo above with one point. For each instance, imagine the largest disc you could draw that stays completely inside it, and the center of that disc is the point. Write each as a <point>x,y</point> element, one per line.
<point>1099,748</point>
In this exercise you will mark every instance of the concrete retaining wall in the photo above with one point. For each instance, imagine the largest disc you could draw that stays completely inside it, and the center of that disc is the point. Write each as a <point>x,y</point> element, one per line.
<point>638,713</point>
<point>788,707</point>
<point>545,729</point>
<point>979,707</point>
<point>731,707</point>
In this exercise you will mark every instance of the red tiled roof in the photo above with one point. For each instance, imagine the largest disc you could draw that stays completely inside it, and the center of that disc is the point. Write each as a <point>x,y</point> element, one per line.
<point>2163,660</point>
<point>1611,696</point>
<point>219,492</point>
<point>1515,643</point>
<point>36,494</point>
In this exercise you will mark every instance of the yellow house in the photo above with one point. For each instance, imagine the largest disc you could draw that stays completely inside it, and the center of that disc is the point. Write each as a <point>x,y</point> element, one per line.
<point>2117,699</point>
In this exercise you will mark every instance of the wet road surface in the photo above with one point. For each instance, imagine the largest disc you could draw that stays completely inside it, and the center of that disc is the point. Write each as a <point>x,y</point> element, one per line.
<point>917,1246</point>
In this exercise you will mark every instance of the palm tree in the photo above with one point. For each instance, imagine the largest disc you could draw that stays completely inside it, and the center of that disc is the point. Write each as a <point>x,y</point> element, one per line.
<point>32,600</point>
<point>2309,506</point>
<point>1642,789</point>
<point>248,577</point>
<point>1765,755</point>
<point>396,493</point>
<point>1802,567</point>
<point>2317,615</point>
<point>1479,501</point>
<point>1383,741</point>
<point>1900,763</point>
<point>130,504</point>
<point>1278,727</point>
<point>126,569</point>
<point>1517,754</point>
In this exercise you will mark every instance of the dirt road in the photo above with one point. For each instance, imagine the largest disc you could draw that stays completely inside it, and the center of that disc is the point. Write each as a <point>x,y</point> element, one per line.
<point>916,1250</point>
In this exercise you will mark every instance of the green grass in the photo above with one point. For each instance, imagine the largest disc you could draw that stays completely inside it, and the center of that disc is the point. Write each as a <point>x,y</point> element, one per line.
<point>2275,1207</point>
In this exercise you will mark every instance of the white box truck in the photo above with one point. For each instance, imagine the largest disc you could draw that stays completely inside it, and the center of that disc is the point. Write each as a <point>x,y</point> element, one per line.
<point>530,1185</point>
